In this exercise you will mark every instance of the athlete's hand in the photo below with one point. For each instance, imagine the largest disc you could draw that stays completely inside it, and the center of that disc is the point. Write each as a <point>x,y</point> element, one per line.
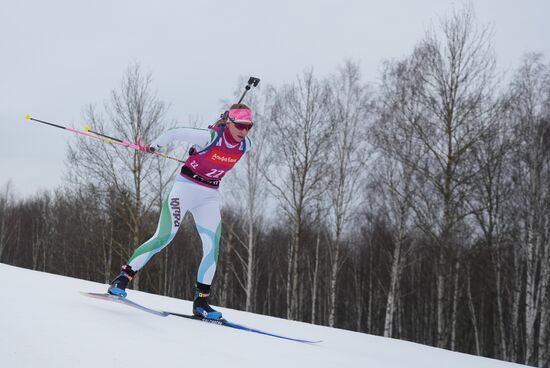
<point>149,148</point>
<point>152,148</point>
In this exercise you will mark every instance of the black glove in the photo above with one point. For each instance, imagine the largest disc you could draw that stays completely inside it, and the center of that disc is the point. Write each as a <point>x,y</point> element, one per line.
<point>152,148</point>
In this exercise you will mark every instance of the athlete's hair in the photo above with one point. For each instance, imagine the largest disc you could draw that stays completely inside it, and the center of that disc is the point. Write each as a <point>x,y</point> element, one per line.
<point>222,121</point>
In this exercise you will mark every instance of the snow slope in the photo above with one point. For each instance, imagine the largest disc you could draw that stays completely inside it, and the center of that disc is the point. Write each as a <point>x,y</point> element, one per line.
<point>45,322</point>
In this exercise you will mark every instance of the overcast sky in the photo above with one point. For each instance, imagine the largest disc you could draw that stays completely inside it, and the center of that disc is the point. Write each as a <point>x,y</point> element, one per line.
<point>58,56</point>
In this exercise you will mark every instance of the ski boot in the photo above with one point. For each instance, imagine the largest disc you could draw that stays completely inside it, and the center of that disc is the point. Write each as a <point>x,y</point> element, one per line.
<point>201,308</point>
<point>119,285</point>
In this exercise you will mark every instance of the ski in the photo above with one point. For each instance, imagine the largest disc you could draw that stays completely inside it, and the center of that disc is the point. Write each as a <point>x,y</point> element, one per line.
<point>226,323</point>
<point>220,322</point>
<point>126,301</point>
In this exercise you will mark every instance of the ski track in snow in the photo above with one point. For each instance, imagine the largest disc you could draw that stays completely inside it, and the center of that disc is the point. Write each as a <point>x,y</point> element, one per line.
<point>45,322</point>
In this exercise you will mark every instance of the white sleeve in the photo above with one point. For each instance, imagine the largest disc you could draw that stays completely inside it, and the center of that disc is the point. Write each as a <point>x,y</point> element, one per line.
<point>199,137</point>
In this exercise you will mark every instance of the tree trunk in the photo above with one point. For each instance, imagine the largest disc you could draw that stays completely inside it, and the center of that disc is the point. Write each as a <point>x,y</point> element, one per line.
<point>393,290</point>
<point>441,302</point>
<point>224,295</point>
<point>292,277</point>
<point>333,279</point>
<point>531,292</point>
<point>456,296</point>
<point>315,278</point>
<point>500,309</point>
<point>250,295</point>
<point>544,325</point>
<point>473,314</point>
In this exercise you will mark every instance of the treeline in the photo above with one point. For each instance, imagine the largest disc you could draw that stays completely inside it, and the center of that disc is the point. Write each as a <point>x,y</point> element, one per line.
<point>416,208</point>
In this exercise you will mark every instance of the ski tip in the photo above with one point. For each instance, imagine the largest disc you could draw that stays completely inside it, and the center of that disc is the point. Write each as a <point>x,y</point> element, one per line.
<point>27,117</point>
<point>87,128</point>
<point>87,293</point>
<point>98,295</point>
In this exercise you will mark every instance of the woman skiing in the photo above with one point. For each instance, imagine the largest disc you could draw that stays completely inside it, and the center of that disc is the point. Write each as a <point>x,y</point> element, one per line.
<point>214,152</point>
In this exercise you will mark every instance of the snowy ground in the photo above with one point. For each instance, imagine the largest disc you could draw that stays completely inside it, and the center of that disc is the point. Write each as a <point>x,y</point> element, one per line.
<point>45,322</point>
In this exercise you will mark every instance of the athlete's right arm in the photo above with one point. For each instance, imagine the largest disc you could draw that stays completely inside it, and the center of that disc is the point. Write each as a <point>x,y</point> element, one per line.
<point>200,137</point>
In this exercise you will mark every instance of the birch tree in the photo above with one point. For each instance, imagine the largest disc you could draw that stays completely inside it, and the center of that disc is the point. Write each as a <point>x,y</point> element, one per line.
<point>299,136</point>
<point>133,112</point>
<point>248,192</point>
<point>457,75</point>
<point>490,202</point>
<point>348,101</point>
<point>530,109</point>
<point>393,137</point>
<point>7,221</point>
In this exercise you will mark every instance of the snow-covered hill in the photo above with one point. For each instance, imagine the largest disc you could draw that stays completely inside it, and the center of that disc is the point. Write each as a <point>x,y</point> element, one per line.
<point>45,322</point>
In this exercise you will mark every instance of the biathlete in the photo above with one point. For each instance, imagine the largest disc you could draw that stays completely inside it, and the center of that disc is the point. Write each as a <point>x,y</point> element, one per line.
<point>215,151</point>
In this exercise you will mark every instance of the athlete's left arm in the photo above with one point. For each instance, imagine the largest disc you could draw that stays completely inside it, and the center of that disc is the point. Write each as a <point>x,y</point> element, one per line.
<point>194,136</point>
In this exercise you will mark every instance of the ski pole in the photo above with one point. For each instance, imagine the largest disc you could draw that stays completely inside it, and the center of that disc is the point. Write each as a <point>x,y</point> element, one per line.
<point>89,133</point>
<point>114,140</point>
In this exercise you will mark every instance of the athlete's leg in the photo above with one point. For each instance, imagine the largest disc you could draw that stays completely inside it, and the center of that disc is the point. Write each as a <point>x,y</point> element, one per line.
<point>208,222</point>
<point>173,209</point>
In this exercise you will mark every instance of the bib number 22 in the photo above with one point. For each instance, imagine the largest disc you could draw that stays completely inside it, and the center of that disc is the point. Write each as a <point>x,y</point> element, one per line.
<point>215,173</point>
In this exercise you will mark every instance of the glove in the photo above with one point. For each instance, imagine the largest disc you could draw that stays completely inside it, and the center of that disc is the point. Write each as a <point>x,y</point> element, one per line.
<point>152,148</point>
<point>149,148</point>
